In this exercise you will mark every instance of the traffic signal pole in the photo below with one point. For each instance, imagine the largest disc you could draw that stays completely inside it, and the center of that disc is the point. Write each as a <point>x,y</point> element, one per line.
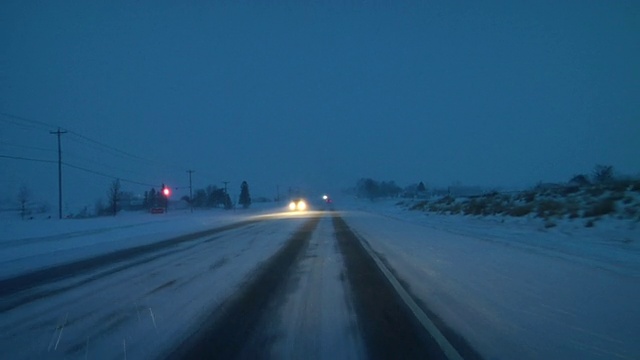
<point>165,193</point>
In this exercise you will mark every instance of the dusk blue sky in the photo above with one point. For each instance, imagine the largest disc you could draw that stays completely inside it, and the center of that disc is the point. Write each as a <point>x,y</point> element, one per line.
<point>316,94</point>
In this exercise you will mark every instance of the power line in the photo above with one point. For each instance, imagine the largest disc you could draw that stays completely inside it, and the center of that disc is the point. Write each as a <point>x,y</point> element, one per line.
<point>27,146</point>
<point>98,146</point>
<point>108,176</point>
<point>78,168</point>
<point>83,137</point>
<point>30,121</point>
<point>115,151</point>
<point>88,142</point>
<point>122,152</point>
<point>18,124</point>
<point>28,159</point>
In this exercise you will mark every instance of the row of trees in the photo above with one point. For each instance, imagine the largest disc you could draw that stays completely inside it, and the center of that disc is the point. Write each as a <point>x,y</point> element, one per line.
<point>601,174</point>
<point>371,189</point>
<point>209,197</point>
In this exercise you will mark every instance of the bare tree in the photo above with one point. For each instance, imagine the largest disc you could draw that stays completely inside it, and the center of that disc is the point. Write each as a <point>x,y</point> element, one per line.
<point>23,198</point>
<point>113,195</point>
<point>603,174</point>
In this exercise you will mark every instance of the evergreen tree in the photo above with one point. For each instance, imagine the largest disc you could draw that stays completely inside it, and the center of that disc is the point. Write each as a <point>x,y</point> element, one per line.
<point>245,198</point>
<point>152,198</point>
<point>200,198</point>
<point>421,188</point>
<point>228,204</point>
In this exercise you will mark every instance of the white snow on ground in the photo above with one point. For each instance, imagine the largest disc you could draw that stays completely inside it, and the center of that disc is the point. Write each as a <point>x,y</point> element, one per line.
<point>29,244</point>
<point>516,289</point>
<point>513,289</point>
<point>143,310</point>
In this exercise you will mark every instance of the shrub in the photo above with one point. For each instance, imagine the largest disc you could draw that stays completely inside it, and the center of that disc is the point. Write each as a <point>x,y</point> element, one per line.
<point>570,190</point>
<point>448,200</point>
<point>630,212</point>
<point>572,208</point>
<point>476,207</point>
<point>528,196</point>
<point>520,211</point>
<point>618,195</point>
<point>580,180</point>
<point>547,208</point>
<point>589,223</point>
<point>498,207</point>
<point>456,208</point>
<point>602,207</point>
<point>603,174</point>
<point>621,185</point>
<point>595,191</point>
<point>419,206</point>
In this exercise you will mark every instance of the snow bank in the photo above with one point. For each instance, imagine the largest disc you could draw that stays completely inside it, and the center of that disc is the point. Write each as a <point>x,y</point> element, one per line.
<point>516,289</point>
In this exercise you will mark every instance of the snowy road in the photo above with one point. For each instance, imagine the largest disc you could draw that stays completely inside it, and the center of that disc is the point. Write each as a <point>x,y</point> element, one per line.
<point>261,288</point>
<point>141,304</point>
<point>379,283</point>
<point>322,296</point>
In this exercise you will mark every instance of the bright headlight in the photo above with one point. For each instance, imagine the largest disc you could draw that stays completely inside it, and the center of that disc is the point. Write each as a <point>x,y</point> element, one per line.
<point>302,205</point>
<point>292,206</point>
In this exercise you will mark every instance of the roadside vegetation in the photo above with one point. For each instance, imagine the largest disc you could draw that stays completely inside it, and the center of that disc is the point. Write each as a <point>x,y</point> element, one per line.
<point>583,197</point>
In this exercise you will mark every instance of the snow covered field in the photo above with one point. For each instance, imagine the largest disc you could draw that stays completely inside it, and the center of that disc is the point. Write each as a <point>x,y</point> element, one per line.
<point>513,289</point>
<point>141,307</point>
<point>42,242</point>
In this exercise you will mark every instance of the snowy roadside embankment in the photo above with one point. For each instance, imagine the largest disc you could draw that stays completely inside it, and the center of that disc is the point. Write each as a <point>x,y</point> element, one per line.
<point>516,289</point>
<point>32,244</point>
<point>140,307</point>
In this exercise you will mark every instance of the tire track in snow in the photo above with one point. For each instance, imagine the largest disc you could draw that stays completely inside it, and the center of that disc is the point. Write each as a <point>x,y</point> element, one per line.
<point>223,335</point>
<point>315,317</point>
<point>94,308</point>
<point>389,320</point>
<point>15,285</point>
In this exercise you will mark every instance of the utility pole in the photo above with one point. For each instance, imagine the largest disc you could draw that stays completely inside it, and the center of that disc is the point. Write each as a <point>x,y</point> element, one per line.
<point>225,186</point>
<point>190,190</point>
<point>59,133</point>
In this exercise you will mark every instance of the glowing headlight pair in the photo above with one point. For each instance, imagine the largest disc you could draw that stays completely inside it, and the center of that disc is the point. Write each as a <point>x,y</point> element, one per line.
<point>299,205</point>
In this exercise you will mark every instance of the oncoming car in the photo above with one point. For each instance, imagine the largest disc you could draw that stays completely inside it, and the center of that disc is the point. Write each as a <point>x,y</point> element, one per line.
<point>298,205</point>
